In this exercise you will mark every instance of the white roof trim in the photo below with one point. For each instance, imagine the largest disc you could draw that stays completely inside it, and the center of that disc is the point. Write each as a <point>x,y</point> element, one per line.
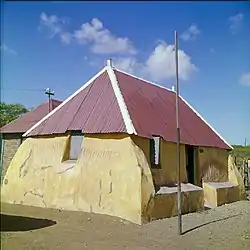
<point>122,105</point>
<point>196,112</point>
<point>65,101</point>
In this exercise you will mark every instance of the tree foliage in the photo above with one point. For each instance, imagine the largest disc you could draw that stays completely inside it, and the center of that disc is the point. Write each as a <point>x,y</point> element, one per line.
<point>9,112</point>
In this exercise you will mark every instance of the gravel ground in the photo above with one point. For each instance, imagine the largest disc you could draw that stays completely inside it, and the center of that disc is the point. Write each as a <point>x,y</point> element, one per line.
<point>226,227</point>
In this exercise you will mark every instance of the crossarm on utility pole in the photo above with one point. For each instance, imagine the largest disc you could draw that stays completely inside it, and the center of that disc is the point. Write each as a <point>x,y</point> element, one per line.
<point>49,92</point>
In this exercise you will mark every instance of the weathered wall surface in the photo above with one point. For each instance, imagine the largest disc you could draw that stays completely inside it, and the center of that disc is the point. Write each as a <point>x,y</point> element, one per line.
<point>147,185</point>
<point>235,177</point>
<point>107,177</point>
<point>31,171</point>
<point>168,158</point>
<point>11,143</point>
<point>111,176</point>
<point>212,165</point>
<point>168,174</point>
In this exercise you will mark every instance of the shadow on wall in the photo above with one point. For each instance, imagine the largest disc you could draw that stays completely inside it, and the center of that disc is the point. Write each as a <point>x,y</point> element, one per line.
<point>12,223</point>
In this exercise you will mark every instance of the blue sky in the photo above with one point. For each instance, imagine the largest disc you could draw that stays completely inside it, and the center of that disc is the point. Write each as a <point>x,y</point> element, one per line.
<point>61,45</point>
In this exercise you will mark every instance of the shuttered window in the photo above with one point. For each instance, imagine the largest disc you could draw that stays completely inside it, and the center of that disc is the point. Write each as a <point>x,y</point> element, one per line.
<point>155,151</point>
<point>75,146</point>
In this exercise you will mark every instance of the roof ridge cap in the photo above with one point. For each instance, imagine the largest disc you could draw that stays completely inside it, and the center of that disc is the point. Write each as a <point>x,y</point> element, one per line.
<point>121,102</point>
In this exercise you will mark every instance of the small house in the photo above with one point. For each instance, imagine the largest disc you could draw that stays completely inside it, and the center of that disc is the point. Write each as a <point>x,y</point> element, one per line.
<point>110,148</point>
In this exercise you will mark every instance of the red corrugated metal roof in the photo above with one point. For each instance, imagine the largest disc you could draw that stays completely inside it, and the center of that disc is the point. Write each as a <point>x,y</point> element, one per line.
<point>26,121</point>
<point>92,110</point>
<point>118,102</point>
<point>152,110</point>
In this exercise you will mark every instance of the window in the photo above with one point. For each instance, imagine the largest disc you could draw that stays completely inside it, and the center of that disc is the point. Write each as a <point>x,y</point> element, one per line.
<point>155,151</point>
<point>75,146</point>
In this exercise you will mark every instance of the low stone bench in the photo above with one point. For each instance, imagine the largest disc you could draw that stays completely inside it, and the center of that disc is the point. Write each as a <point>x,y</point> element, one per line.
<point>220,193</point>
<point>166,200</point>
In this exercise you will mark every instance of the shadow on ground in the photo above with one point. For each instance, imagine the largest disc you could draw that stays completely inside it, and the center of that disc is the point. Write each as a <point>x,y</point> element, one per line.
<point>210,222</point>
<point>12,223</point>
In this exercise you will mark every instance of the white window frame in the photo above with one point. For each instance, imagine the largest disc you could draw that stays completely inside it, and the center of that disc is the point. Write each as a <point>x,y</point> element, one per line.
<point>155,145</point>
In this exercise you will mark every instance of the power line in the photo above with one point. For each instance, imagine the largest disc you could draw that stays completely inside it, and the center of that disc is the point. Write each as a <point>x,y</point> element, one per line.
<point>22,90</point>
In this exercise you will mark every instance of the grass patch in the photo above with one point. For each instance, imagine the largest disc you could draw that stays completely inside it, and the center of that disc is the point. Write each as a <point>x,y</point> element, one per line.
<point>241,151</point>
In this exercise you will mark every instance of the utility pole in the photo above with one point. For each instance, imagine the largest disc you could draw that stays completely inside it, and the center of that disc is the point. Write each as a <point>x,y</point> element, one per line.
<point>178,135</point>
<point>50,93</point>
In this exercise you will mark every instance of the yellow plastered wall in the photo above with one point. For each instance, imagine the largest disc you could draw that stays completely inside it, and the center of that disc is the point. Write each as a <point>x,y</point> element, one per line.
<point>212,165</point>
<point>35,162</point>
<point>235,177</point>
<point>165,205</point>
<point>168,160</point>
<point>220,196</point>
<point>111,176</point>
<point>147,185</point>
<point>210,194</point>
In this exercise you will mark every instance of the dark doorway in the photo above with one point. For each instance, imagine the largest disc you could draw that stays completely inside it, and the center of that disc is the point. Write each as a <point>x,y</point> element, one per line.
<point>190,163</point>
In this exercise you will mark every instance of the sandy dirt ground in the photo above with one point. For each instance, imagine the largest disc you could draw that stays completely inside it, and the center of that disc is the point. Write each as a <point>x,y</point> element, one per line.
<point>226,227</point>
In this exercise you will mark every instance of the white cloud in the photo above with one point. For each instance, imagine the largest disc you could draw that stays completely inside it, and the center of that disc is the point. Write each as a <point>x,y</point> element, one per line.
<point>55,26</point>
<point>7,49</point>
<point>128,64</point>
<point>160,65</point>
<point>53,23</point>
<point>102,41</point>
<point>245,79</point>
<point>191,33</point>
<point>236,22</point>
<point>66,38</point>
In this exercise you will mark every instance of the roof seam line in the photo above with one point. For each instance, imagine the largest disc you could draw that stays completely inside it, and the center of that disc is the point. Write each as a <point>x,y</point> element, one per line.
<point>121,102</point>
